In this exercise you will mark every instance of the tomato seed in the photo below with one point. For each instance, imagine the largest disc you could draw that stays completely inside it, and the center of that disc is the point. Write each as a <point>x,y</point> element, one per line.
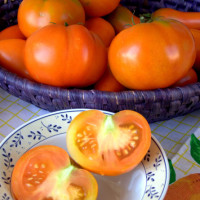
<point>135,137</point>
<point>79,135</point>
<point>132,144</point>
<point>134,131</point>
<point>126,152</point>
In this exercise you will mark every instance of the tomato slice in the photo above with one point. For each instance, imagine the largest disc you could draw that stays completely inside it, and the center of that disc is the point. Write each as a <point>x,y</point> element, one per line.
<point>108,144</point>
<point>45,173</point>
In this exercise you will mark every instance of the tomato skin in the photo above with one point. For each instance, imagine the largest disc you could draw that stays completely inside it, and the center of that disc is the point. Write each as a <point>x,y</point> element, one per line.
<point>102,143</point>
<point>78,63</point>
<point>11,56</point>
<point>45,172</point>
<point>190,19</point>
<point>99,8</point>
<point>34,14</point>
<point>12,32</point>
<point>159,58</point>
<point>108,83</point>
<point>196,35</point>
<point>102,28</point>
<point>189,78</point>
<point>122,18</point>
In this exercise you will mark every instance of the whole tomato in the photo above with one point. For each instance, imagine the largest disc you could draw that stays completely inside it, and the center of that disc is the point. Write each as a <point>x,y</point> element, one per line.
<point>108,144</point>
<point>190,19</point>
<point>34,14</point>
<point>152,55</point>
<point>12,32</point>
<point>45,172</point>
<point>102,28</point>
<point>99,8</point>
<point>122,18</point>
<point>108,83</point>
<point>196,35</point>
<point>189,78</point>
<point>11,56</point>
<point>69,56</point>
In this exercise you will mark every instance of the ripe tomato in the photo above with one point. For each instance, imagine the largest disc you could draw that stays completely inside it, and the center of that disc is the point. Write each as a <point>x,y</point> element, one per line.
<point>66,61</point>
<point>108,145</point>
<point>196,35</point>
<point>189,78</point>
<point>122,18</point>
<point>11,56</point>
<point>45,172</point>
<point>102,28</point>
<point>152,55</point>
<point>12,32</point>
<point>34,14</point>
<point>190,19</point>
<point>108,83</point>
<point>99,8</point>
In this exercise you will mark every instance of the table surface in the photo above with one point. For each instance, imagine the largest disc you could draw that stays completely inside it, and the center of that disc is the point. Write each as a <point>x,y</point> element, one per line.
<point>174,134</point>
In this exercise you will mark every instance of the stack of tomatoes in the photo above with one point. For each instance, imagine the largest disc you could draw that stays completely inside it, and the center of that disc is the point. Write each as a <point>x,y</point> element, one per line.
<point>100,44</point>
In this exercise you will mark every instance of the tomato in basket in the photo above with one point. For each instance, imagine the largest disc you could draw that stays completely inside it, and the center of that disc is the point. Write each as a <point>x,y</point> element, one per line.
<point>108,83</point>
<point>45,173</point>
<point>34,14</point>
<point>11,57</point>
<point>196,35</point>
<point>99,8</point>
<point>102,28</point>
<point>190,19</point>
<point>190,78</point>
<point>152,55</point>
<point>122,18</point>
<point>108,144</point>
<point>12,32</point>
<point>66,56</point>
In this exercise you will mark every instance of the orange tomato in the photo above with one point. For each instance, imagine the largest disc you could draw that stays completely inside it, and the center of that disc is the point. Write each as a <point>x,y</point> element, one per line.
<point>190,19</point>
<point>11,56</point>
<point>102,28</point>
<point>189,78</point>
<point>54,57</point>
<point>108,83</point>
<point>196,35</point>
<point>185,188</point>
<point>34,14</point>
<point>152,55</point>
<point>99,8</point>
<point>108,144</point>
<point>122,18</point>
<point>12,32</point>
<point>45,172</point>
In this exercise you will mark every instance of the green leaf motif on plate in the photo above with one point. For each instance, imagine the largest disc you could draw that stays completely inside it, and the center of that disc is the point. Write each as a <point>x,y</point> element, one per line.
<point>195,148</point>
<point>172,172</point>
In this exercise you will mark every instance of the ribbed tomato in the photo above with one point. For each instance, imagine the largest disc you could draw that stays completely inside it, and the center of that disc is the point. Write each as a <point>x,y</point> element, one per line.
<point>152,55</point>
<point>67,56</point>
<point>34,14</point>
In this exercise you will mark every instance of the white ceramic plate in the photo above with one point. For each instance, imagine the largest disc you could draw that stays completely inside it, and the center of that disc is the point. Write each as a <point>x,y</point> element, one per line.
<point>148,181</point>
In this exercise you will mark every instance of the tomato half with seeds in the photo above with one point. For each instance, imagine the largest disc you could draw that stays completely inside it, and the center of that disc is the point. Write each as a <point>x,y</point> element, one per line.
<point>45,173</point>
<point>108,144</point>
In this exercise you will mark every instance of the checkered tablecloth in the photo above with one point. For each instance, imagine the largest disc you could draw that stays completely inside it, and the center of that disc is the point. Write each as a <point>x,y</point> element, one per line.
<point>174,135</point>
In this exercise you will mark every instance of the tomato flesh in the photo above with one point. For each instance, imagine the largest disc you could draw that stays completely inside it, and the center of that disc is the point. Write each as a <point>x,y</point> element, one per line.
<point>108,145</point>
<point>45,173</point>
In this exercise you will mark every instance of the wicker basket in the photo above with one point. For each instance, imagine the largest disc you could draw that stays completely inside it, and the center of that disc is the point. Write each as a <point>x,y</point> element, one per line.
<point>155,105</point>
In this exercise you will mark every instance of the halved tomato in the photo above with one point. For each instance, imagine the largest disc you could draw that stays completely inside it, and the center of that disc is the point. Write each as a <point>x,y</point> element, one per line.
<point>45,173</point>
<point>108,144</point>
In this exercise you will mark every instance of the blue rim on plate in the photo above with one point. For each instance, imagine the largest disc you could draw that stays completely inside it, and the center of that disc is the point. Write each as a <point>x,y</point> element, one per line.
<point>50,126</point>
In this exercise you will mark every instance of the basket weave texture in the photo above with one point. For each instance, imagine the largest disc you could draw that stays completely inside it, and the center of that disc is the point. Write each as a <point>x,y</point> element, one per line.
<point>155,105</point>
